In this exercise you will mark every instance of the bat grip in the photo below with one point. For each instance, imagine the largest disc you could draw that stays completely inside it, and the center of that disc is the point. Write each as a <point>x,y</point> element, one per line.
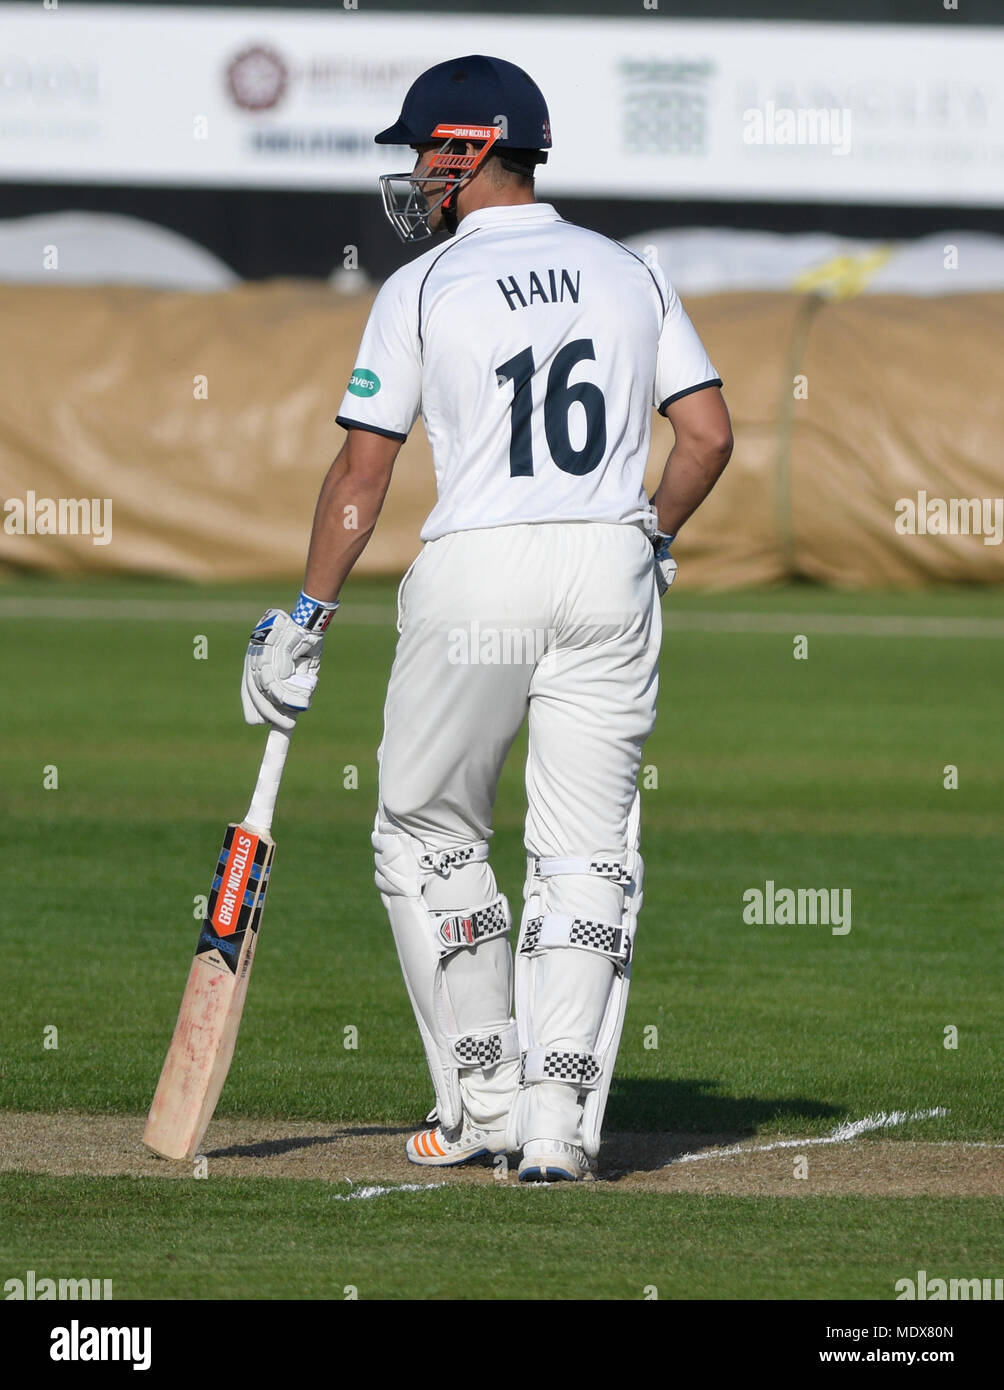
<point>262,808</point>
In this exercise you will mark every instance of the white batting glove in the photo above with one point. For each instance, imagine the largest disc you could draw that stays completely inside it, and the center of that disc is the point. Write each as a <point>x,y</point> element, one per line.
<point>282,662</point>
<point>665,565</point>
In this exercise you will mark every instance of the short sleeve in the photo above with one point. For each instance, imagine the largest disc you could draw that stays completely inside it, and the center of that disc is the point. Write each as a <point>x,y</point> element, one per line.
<point>384,393</point>
<point>683,365</point>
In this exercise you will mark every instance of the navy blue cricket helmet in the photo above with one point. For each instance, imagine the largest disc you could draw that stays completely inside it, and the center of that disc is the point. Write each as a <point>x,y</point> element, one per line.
<point>479,100</point>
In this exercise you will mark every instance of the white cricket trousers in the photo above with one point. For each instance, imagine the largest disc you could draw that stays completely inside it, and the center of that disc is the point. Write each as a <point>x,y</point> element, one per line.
<point>558,622</point>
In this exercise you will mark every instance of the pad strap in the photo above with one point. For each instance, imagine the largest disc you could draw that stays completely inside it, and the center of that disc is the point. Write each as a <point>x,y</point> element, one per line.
<point>457,929</point>
<point>579,1069</point>
<point>488,1049</point>
<point>614,869</point>
<point>441,861</point>
<point>557,929</point>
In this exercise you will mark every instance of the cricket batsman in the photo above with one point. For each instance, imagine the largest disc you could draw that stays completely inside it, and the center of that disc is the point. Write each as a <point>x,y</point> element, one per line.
<point>535,351</point>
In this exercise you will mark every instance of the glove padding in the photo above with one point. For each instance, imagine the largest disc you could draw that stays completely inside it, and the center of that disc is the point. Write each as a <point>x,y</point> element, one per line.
<point>280,670</point>
<point>665,565</point>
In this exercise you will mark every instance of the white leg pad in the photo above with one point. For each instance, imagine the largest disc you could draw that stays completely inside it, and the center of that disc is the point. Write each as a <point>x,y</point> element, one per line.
<point>457,965</point>
<point>573,972</point>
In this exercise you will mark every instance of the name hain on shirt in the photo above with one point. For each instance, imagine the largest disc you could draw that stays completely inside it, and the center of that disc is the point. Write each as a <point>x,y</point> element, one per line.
<point>549,287</point>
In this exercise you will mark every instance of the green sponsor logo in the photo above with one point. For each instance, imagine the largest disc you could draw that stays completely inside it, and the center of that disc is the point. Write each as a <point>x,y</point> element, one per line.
<point>363,382</point>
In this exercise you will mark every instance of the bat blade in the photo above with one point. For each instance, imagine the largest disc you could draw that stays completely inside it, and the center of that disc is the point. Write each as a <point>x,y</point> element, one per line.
<point>202,1047</point>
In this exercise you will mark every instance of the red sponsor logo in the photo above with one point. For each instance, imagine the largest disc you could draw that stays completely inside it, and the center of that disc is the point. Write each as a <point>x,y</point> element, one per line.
<point>466,132</point>
<point>235,882</point>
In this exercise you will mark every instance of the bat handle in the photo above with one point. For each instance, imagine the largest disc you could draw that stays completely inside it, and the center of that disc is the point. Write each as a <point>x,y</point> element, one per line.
<point>262,808</point>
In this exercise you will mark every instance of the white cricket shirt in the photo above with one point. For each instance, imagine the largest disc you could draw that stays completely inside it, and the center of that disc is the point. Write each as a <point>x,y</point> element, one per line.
<point>535,351</point>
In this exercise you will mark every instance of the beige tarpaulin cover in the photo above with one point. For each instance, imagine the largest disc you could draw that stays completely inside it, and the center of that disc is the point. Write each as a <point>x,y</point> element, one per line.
<point>208,420</point>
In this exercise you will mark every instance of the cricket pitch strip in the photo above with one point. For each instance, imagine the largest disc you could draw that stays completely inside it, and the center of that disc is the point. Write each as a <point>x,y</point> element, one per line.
<point>71,1144</point>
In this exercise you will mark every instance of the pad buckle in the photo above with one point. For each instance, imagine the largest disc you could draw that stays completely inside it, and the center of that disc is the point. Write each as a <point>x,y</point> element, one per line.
<point>459,929</point>
<point>581,1069</point>
<point>557,930</point>
<point>614,869</point>
<point>441,861</point>
<point>488,1049</point>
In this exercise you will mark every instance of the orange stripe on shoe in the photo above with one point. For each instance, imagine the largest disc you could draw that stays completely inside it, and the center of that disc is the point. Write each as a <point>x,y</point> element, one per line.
<point>434,1144</point>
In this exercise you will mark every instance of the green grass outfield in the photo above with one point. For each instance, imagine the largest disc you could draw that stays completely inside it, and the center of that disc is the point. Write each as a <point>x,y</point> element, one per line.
<point>825,772</point>
<point>268,1239</point>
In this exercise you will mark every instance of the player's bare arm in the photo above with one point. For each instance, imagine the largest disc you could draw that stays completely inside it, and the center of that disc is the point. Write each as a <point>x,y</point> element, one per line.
<point>703,447</point>
<point>698,458</point>
<point>284,653</point>
<point>351,497</point>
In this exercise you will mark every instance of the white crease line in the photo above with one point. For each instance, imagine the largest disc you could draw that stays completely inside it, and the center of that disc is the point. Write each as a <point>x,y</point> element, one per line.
<point>364,1193</point>
<point>846,1130</point>
<point>372,614</point>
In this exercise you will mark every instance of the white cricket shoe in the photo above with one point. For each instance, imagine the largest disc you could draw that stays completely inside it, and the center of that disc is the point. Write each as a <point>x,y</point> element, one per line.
<point>552,1160</point>
<point>432,1149</point>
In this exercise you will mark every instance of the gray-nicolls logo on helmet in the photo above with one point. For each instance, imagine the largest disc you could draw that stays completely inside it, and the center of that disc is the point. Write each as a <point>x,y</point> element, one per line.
<point>455,115</point>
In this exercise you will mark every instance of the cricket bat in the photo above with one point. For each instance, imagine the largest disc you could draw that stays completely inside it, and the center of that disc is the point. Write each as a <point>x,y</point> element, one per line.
<point>202,1047</point>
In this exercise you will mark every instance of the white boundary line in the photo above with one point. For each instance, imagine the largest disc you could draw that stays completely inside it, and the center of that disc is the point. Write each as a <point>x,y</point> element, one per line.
<point>832,624</point>
<point>680,620</point>
<point>848,1129</point>
<point>165,611</point>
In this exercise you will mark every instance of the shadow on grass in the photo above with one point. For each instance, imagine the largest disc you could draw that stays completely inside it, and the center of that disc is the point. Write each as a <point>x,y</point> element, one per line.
<point>649,1123</point>
<point>274,1148</point>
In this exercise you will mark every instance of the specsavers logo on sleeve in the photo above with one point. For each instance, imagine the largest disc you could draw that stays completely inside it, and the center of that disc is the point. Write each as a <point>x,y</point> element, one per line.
<point>363,382</point>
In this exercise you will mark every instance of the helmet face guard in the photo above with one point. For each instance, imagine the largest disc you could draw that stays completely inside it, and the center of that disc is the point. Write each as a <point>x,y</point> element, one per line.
<point>408,208</point>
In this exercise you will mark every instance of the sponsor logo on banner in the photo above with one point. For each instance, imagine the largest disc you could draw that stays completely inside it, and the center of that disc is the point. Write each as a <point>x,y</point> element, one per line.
<point>664,105</point>
<point>293,98</point>
<point>260,79</point>
<point>257,78</point>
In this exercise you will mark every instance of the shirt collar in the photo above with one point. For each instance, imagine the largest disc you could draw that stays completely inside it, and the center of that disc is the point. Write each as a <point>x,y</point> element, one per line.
<point>510,215</point>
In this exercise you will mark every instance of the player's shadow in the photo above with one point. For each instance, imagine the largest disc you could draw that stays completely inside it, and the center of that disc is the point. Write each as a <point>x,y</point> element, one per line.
<point>649,1123</point>
<point>274,1148</point>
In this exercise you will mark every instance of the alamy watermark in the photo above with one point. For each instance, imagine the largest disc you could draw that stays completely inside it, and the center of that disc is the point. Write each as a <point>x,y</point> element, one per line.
<point>77,1343</point>
<point>802,125</point>
<point>59,516</point>
<point>930,1288</point>
<point>478,644</point>
<point>36,1287</point>
<point>770,906</point>
<point>951,516</point>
